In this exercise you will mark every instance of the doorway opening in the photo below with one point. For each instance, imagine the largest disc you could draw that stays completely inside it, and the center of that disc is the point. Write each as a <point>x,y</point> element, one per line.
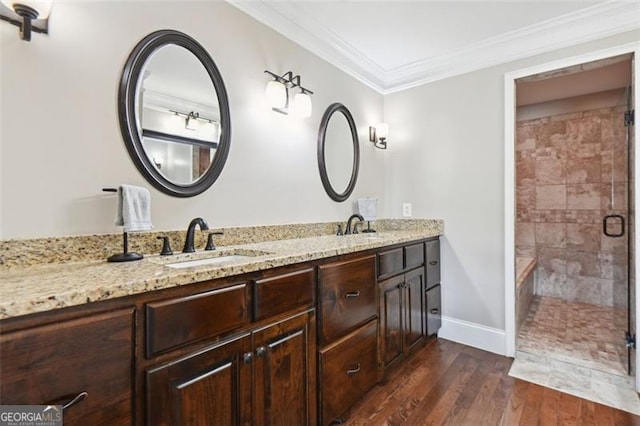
<point>574,230</point>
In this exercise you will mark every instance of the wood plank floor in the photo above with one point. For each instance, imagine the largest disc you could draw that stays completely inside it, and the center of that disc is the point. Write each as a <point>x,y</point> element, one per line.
<point>446,383</point>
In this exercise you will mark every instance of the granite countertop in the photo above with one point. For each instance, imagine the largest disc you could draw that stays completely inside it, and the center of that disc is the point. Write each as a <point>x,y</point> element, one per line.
<point>42,288</point>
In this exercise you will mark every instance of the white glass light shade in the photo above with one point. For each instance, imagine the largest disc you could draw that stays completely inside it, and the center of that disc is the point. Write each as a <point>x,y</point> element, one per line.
<point>276,94</point>
<point>191,123</point>
<point>301,105</point>
<point>382,130</point>
<point>43,7</point>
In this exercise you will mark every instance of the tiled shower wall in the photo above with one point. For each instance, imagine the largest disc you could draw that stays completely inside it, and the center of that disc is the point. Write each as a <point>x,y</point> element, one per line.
<point>571,171</point>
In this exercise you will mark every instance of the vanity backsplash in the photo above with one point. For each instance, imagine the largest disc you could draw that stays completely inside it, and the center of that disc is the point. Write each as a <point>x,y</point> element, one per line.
<point>18,253</point>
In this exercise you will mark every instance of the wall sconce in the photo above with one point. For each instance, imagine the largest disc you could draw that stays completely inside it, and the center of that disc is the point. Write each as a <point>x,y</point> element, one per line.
<point>23,12</point>
<point>278,95</point>
<point>378,135</point>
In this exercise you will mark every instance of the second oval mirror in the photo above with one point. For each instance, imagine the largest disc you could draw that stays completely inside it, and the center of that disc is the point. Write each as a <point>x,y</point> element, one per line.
<point>338,152</point>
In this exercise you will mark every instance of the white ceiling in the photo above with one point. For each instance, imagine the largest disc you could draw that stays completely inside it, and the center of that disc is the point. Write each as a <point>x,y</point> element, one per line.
<point>392,45</point>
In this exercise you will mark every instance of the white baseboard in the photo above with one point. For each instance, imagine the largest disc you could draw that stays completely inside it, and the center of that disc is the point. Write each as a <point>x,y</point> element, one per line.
<point>471,334</point>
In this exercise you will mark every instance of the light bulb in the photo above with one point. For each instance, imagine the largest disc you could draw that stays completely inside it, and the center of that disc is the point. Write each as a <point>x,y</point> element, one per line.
<point>382,130</point>
<point>276,94</point>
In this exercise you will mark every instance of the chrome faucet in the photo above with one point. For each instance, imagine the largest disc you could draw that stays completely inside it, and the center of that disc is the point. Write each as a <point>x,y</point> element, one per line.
<point>191,230</point>
<point>347,230</point>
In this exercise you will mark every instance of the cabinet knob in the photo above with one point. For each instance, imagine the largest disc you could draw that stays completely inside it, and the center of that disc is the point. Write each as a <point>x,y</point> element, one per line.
<point>353,371</point>
<point>352,294</point>
<point>261,351</point>
<point>435,311</point>
<point>247,357</point>
<point>433,263</point>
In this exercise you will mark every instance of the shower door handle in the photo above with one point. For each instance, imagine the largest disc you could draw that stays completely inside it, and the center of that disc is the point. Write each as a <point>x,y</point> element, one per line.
<point>605,225</point>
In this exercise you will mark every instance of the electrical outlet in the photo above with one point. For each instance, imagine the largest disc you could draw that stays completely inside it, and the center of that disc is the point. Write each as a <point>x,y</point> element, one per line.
<point>406,209</point>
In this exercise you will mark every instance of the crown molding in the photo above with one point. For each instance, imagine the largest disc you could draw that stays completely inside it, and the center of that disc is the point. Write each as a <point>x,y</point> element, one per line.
<point>594,22</point>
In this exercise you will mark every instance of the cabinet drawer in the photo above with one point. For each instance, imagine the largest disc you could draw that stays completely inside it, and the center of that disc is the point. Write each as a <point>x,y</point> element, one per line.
<point>348,369</point>
<point>413,256</point>
<point>176,322</point>
<point>348,296</point>
<point>433,262</point>
<point>390,262</point>
<point>54,363</point>
<point>282,293</point>
<point>434,314</point>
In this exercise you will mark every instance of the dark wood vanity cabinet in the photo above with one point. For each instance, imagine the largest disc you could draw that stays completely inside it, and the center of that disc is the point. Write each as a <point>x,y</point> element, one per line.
<point>90,357</point>
<point>347,331</point>
<point>262,375</point>
<point>244,350</point>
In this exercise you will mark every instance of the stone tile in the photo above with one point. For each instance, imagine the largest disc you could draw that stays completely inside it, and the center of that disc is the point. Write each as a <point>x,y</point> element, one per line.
<point>584,170</point>
<point>551,235</point>
<point>526,197</point>
<point>583,264</point>
<point>616,199</point>
<point>593,217</point>
<point>551,197</point>
<point>614,165</point>
<point>614,245</point>
<point>584,196</point>
<point>525,138</point>
<point>550,172</point>
<point>583,237</point>
<point>552,260</point>
<point>588,290</point>
<point>525,234</point>
<point>525,173</point>
<point>550,284</point>
<point>525,251</point>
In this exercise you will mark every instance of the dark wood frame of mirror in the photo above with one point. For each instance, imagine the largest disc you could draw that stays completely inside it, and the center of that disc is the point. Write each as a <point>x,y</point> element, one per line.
<point>322,165</point>
<point>127,112</point>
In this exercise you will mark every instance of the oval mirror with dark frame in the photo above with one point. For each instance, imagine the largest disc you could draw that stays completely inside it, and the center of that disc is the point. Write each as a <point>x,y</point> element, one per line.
<point>338,152</point>
<point>174,113</point>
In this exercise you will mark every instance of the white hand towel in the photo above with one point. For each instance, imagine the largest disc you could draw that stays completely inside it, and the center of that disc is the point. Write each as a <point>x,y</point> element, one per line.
<point>134,208</point>
<point>367,208</point>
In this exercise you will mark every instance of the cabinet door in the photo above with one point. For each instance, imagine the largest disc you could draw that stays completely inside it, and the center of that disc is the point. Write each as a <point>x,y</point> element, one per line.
<point>391,336</point>
<point>209,387</point>
<point>283,370</point>
<point>413,308</point>
<point>52,364</point>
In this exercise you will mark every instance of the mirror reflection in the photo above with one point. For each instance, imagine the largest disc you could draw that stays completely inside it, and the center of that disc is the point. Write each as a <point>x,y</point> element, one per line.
<point>178,114</point>
<point>338,151</point>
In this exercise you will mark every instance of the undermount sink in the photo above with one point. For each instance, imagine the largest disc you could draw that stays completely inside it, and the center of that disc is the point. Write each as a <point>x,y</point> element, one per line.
<point>213,261</point>
<point>208,258</point>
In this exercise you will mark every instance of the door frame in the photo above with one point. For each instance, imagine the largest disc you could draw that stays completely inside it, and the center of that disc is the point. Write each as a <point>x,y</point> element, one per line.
<point>509,179</point>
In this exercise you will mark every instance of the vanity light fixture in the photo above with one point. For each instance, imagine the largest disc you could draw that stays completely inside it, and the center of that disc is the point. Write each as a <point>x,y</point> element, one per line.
<point>278,95</point>
<point>191,122</point>
<point>23,12</point>
<point>378,135</point>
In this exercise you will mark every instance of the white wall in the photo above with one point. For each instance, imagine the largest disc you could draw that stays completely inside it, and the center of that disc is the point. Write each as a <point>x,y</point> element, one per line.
<point>61,143</point>
<point>446,156</point>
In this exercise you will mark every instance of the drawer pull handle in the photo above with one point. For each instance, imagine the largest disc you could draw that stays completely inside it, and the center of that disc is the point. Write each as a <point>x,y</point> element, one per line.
<point>247,357</point>
<point>353,371</point>
<point>352,294</point>
<point>435,311</point>
<point>71,402</point>
<point>261,351</point>
<point>433,262</point>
